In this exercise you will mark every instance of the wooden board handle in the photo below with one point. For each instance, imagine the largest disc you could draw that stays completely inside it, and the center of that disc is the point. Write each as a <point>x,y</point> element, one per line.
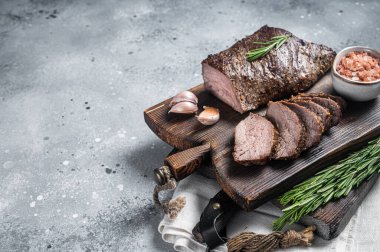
<point>184,163</point>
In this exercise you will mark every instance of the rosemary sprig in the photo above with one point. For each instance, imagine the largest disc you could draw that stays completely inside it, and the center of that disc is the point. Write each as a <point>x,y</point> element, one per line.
<point>274,42</point>
<point>332,183</point>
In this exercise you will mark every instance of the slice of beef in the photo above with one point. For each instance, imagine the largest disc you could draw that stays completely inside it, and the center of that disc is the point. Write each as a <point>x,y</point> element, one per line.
<point>255,140</point>
<point>342,103</point>
<point>330,104</point>
<point>311,121</point>
<point>244,85</point>
<point>291,131</point>
<point>321,111</point>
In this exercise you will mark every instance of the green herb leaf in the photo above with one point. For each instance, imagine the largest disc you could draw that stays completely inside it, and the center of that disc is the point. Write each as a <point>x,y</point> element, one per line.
<point>275,42</point>
<point>332,183</point>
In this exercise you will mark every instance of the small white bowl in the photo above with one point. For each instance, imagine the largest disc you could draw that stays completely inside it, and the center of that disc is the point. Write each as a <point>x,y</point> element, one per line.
<point>350,89</point>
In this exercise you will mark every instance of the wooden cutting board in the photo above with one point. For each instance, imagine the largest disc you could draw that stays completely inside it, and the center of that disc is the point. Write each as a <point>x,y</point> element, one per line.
<point>330,219</point>
<point>252,186</point>
<point>333,217</point>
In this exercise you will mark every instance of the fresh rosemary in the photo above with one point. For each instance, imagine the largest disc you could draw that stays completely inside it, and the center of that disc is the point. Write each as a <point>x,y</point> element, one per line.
<point>274,42</point>
<point>332,183</point>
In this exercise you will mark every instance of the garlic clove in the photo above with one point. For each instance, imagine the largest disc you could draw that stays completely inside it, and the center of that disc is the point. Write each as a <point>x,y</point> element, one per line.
<point>209,116</point>
<point>184,107</point>
<point>184,96</point>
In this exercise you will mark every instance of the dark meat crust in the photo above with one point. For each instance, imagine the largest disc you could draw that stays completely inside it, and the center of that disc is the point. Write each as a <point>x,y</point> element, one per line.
<point>248,148</point>
<point>342,103</point>
<point>321,111</point>
<point>292,133</point>
<point>291,69</point>
<point>333,107</point>
<point>312,122</point>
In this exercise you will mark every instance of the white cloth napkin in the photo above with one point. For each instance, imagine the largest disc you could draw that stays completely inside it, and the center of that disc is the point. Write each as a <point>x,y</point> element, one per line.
<point>361,233</point>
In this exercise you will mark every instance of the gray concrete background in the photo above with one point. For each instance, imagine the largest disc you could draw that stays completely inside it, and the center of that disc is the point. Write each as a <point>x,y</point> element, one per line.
<point>75,76</point>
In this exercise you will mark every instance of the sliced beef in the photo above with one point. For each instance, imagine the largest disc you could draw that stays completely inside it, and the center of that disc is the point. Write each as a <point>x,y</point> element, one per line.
<point>342,103</point>
<point>321,111</point>
<point>331,105</point>
<point>311,121</point>
<point>244,85</point>
<point>255,140</point>
<point>291,131</point>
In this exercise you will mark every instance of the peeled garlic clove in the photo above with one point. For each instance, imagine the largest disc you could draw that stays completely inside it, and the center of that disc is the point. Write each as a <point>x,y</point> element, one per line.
<point>184,108</point>
<point>209,116</point>
<point>182,97</point>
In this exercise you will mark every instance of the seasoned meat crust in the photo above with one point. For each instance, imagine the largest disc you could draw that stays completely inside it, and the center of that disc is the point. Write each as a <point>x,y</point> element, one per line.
<point>293,126</point>
<point>321,111</point>
<point>244,85</point>
<point>311,121</point>
<point>341,102</point>
<point>292,133</point>
<point>333,107</point>
<point>255,140</point>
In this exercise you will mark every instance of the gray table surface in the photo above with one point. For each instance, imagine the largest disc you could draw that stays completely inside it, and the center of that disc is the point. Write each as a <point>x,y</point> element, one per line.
<point>76,157</point>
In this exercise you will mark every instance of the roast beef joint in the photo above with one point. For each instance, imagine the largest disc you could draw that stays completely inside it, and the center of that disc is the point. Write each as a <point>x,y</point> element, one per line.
<point>245,85</point>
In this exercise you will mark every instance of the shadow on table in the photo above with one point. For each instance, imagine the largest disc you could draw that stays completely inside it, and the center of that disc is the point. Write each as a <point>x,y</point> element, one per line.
<point>143,159</point>
<point>140,162</point>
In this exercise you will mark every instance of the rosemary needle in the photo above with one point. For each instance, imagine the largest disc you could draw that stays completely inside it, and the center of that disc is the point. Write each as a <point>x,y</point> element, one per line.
<point>274,42</point>
<point>332,183</point>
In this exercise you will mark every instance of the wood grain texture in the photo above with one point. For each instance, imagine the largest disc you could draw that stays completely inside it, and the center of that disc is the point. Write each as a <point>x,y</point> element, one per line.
<point>184,163</point>
<point>252,186</point>
<point>332,218</point>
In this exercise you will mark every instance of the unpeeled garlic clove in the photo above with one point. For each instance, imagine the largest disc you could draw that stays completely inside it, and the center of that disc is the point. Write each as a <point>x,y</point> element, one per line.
<point>184,107</point>
<point>184,96</point>
<point>209,116</point>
